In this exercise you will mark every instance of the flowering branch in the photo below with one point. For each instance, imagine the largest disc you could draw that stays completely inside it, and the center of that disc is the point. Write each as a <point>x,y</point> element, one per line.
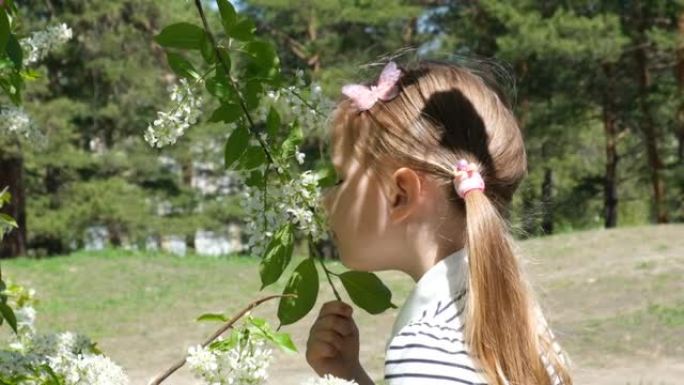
<point>271,160</point>
<point>219,57</point>
<point>229,324</point>
<point>255,150</point>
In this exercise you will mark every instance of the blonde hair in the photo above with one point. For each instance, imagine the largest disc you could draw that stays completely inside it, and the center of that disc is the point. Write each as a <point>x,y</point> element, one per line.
<point>445,112</point>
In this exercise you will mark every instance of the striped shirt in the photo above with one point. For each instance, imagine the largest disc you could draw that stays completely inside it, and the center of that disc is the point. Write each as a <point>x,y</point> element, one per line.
<point>427,345</point>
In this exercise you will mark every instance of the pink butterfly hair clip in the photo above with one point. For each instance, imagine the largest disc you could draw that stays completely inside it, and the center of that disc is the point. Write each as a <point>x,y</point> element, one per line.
<point>365,97</point>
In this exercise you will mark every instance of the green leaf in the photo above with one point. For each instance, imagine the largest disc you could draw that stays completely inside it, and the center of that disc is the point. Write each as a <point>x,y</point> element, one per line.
<point>219,87</point>
<point>181,35</point>
<point>263,54</point>
<point>278,255</point>
<point>224,55</point>
<point>12,85</point>
<point>236,145</point>
<point>284,341</point>
<point>8,315</point>
<point>4,29</point>
<point>272,122</point>
<point>259,323</point>
<point>207,50</point>
<point>251,92</point>
<point>294,138</point>
<point>181,66</point>
<point>227,113</point>
<point>228,14</point>
<point>6,64</point>
<point>228,343</point>
<point>212,317</point>
<point>304,285</point>
<point>367,291</point>
<point>258,327</point>
<point>30,74</point>
<point>255,179</point>
<point>14,51</point>
<point>7,220</point>
<point>253,157</point>
<point>242,30</point>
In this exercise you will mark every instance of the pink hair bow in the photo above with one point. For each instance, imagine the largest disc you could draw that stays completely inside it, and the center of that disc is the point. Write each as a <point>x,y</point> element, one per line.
<point>467,178</point>
<point>365,97</point>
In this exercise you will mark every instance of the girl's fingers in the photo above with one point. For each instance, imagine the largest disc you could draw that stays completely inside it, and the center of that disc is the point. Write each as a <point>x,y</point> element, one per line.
<point>330,337</point>
<point>320,350</point>
<point>328,333</point>
<point>322,338</point>
<point>343,326</point>
<point>336,307</point>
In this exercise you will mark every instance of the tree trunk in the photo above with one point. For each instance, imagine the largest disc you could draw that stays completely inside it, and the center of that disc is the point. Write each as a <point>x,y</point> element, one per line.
<point>547,201</point>
<point>648,126</point>
<point>610,188</point>
<point>679,74</point>
<point>11,174</point>
<point>115,234</point>
<point>409,31</point>
<point>187,176</point>
<point>315,60</point>
<point>528,214</point>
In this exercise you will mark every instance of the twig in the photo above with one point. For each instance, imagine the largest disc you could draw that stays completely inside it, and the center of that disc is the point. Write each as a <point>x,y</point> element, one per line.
<point>312,250</point>
<point>229,324</point>
<point>243,106</point>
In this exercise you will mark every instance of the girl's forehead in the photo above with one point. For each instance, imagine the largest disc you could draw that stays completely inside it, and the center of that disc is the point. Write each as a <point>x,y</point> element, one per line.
<point>348,133</point>
<point>341,142</point>
<point>338,149</point>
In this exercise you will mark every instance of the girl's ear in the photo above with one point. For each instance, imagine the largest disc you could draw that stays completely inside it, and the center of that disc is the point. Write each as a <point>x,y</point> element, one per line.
<point>406,188</point>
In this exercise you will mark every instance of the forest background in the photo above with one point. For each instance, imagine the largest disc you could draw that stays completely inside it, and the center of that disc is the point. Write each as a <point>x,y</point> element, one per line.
<point>597,86</point>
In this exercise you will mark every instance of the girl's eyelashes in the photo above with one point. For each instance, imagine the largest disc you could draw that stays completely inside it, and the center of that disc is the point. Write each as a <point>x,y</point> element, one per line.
<point>339,182</point>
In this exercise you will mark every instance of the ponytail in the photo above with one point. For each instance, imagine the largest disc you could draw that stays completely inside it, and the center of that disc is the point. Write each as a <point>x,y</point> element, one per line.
<point>501,323</point>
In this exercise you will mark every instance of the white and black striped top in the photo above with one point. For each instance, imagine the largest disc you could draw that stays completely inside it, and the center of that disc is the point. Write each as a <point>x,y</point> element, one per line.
<point>427,344</point>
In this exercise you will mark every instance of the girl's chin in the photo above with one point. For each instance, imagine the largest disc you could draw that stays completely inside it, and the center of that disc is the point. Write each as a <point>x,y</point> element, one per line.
<point>354,263</point>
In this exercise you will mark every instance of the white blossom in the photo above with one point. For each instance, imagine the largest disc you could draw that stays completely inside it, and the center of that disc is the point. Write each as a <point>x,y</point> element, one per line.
<point>186,108</point>
<point>201,360</point>
<point>71,356</point>
<point>296,198</point>
<point>328,379</point>
<point>16,120</point>
<point>26,317</point>
<point>92,369</point>
<point>40,43</point>
<point>302,102</point>
<point>245,364</point>
<point>14,363</point>
<point>299,155</point>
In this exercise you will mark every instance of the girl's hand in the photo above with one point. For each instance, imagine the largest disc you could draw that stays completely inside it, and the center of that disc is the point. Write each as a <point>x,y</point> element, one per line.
<point>333,345</point>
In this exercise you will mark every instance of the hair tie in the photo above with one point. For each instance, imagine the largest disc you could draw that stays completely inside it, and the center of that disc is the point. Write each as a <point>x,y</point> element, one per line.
<point>467,178</point>
<point>365,97</point>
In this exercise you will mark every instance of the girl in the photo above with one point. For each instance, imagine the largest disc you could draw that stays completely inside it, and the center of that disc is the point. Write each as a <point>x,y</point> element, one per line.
<point>414,153</point>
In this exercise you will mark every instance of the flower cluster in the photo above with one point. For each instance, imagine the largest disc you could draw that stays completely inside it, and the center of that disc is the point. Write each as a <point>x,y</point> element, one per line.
<point>16,120</point>
<point>303,102</point>
<point>40,43</point>
<point>329,380</point>
<point>244,364</point>
<point>72,357</point>
<point>186,109</point>
<point>290,202</point>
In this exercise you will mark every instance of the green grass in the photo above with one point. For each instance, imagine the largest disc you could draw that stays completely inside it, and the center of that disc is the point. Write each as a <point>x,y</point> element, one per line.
<point>608,295</point>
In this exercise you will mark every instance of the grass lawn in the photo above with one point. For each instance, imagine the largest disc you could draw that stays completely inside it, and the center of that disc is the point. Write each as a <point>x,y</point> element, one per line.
<point>615,299</point>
